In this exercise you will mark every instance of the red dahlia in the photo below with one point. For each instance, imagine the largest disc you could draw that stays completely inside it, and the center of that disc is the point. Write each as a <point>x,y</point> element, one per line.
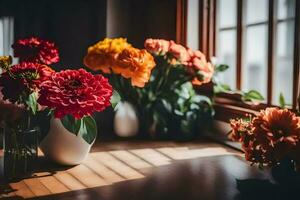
<point>23,79</point>
<point>75,92</point>
<point>36,50</point>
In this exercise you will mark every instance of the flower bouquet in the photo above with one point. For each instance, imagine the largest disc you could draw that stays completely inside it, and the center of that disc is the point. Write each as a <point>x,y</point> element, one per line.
<point>158,81</point>
<point>31,88</point>
<point>19,86</point>
<point>271,139</point>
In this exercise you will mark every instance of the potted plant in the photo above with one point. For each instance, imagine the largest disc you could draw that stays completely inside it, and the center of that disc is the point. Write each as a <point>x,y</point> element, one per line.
<point>163,96</point>
<point>270,139</point>
<point>72,97</point>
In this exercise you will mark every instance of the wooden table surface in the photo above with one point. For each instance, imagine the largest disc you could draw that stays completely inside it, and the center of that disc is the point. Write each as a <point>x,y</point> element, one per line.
<point>140,170</point>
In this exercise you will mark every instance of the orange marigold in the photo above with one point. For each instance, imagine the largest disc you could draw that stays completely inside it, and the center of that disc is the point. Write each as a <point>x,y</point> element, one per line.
<point>118,56</point>
<point>135,64</point>
<point>102,56</point>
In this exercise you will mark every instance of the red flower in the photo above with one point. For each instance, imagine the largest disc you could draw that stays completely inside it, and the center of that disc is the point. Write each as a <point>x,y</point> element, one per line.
<point>23,78</point>
<point>269,137</point>
<point>36,50</point>
<point>75,92</point>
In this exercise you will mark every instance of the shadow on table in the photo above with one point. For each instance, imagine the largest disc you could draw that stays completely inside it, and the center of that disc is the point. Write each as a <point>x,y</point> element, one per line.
<point>44,167</point>
<point>204,178</point>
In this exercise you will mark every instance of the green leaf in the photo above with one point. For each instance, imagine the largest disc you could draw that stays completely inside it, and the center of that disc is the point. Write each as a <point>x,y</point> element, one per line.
<point>32,103</point>
<point>201,98</point>
<point>167,105</point>
<point>282,100</point>
<point>71,124</point>
<point>221,68</point>
<point>252,95</point>
<point>185,91</point>
<point>221,88</point>
<point>115,99</point>
<point>194,106</point>
<point>178,112</point>
<point>88,129</point>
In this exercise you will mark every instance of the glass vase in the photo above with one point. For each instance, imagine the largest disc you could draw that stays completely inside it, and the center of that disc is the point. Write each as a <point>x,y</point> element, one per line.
<point>20,149</point>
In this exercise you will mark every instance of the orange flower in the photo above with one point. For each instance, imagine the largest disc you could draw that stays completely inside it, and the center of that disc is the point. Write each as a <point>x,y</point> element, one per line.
<point>118,56</point>
<point>135,64</point>
<point>240,130</point>
<point>102,56</point>
<point>278,125</point>
<point>277,128</point>
<point>270,136</point>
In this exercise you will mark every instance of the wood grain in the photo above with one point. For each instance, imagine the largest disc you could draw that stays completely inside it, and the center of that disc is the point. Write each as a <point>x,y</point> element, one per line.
<point>141,170</point>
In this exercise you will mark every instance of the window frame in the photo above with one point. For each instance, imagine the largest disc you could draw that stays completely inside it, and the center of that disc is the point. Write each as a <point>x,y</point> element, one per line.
<point>207,43</point>
<point>231,104</point>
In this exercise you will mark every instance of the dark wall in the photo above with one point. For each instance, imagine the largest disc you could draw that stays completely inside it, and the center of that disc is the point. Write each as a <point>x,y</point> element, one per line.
<point>72,25</point>
<point>76,24</point>
<point>141,19</point>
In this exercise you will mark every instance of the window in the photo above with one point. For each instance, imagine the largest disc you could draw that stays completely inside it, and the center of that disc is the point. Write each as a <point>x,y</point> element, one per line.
<point>226,37</point>
<point>258,39</point>
<point>6,35</point>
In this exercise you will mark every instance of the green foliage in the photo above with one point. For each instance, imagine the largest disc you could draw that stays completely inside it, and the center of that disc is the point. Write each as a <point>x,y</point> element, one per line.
<point>181,111</point>
<point>115,99</point>
<point>31,103</point>
<point>71,124</point>
<point>88,129</point>
<point>85,127</point>
<point>221,68</point>
<point>282,100</point>
<point>252,95</point>
<point>219,87</point>
<point>168,104</point>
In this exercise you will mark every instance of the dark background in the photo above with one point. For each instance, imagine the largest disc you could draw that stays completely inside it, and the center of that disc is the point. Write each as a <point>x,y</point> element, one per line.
<point>76,24</point>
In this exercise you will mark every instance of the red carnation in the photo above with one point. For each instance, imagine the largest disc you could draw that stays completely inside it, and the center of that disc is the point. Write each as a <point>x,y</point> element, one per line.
<point>75,92</point>
<point>36,50</point>
<point>22,79</point>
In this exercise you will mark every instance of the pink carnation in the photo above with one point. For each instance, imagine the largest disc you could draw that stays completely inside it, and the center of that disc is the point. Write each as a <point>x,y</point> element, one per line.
<point>179,52</point>
<point>157,46</point>
<point>197,63</point>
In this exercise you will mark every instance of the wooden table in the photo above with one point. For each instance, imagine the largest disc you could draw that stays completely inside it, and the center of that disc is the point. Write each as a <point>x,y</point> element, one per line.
<point>140,170</point>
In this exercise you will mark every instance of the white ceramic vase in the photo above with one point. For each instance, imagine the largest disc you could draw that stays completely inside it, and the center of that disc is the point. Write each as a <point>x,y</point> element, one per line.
<point>62,146</point>
<point>126,123</point>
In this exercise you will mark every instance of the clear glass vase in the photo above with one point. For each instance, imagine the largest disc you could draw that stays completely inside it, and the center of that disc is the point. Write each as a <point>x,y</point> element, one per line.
<point>20,145</point>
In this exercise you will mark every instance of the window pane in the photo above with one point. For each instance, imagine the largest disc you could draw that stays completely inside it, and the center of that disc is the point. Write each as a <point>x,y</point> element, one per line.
<point>7,36</point>
<point>227,13</point>
<point>283,69</point>
<point>227,55</point>
<point>286,8</point>
<point>1,38</point>
<point>255,63</point>
<point>193,24</point>
<point>256,11</point>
